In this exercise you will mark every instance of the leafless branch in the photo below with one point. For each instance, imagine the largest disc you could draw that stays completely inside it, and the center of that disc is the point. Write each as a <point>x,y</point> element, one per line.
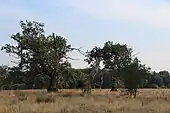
<point>15,62</point>
<point>71,58</point>
<point>79,50</point>
<point>135,54</point>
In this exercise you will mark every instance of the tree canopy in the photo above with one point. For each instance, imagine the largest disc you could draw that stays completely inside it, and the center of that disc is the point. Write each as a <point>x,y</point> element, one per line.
<point>42,62</point>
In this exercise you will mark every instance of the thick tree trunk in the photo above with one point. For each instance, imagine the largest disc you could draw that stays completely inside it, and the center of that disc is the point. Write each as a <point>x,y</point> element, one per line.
<point>112,88</point>
<point>113,83</point>
<point>52,85</point>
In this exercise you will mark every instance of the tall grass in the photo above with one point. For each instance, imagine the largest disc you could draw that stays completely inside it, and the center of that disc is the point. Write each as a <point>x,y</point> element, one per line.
<point>71,101</point>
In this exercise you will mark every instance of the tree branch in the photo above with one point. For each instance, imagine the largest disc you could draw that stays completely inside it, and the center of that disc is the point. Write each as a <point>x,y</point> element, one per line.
<point>77,49</point>
<point>15,62</point>
<point>134,54</point>
<point>16,57</point>
<point>71,58</point>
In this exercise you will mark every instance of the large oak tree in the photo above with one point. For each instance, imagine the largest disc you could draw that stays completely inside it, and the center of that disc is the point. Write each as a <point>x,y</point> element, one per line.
<point>39,54</point>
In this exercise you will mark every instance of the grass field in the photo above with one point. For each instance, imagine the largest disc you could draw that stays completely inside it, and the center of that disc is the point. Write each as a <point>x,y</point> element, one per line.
<point>71,101</point>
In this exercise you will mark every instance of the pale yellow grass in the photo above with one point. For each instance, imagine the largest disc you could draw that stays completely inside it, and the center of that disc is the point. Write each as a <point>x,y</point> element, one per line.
<point>71,101</point>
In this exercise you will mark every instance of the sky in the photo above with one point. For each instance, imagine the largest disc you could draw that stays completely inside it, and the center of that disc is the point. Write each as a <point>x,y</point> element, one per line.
<point>143,25</point>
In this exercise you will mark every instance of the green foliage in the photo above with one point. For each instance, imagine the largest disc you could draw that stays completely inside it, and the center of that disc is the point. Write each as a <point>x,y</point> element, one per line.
<point>4,72</point>
<point>79,78</point>
<point>114,57</point>
<point>93,55</point>
<point>39,54</point>
<point>134,74</point>
<point>42,62</point>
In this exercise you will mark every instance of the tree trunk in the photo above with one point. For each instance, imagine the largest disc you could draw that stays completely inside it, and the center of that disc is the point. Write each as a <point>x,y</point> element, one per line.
<point>101,81</point>
<point>112,88</point>
<point>87,90</point>
<point>113,83</point>
<point>53,85</point>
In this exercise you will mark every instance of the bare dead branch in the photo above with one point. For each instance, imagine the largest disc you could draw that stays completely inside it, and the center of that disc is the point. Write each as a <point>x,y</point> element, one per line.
<point>71,58</point>
<point>15,62</point>
<point>78,49</point>
<point>135,54</point>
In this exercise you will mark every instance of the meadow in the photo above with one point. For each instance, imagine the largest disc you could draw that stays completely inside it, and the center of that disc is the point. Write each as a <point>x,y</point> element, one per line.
<point>72,101</point>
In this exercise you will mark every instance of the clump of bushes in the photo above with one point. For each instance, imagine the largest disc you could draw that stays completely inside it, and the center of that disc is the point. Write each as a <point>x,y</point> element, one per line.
<point>67,95</point>
<point>20,95</point>
<point>45,99</point>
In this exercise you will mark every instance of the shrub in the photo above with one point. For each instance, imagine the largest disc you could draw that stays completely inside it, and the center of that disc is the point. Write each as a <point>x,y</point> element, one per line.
<point>20,95</point>
<point>153,86</point>
<point>45,99</point>
<point>67,95</point>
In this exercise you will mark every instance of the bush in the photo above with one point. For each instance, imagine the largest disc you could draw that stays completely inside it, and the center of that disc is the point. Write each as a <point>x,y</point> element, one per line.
<point>168,86</point>
<point>45,99</point>
<point>20,95</point>
<point>163,86</point>
<point>67,95</point>
<point>153,86</point>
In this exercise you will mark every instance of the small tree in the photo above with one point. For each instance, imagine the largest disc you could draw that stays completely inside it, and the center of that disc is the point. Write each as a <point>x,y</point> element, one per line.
<point>114,57</point>
<point>93,58</point>
<point>134,75</point>
<point>4,73</point>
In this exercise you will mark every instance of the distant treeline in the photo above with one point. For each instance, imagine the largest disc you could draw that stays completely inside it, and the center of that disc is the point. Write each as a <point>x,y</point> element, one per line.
<point>13,79</point>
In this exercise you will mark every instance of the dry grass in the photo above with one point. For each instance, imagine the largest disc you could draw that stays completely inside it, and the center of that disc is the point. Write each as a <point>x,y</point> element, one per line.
<point>71,101</point>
